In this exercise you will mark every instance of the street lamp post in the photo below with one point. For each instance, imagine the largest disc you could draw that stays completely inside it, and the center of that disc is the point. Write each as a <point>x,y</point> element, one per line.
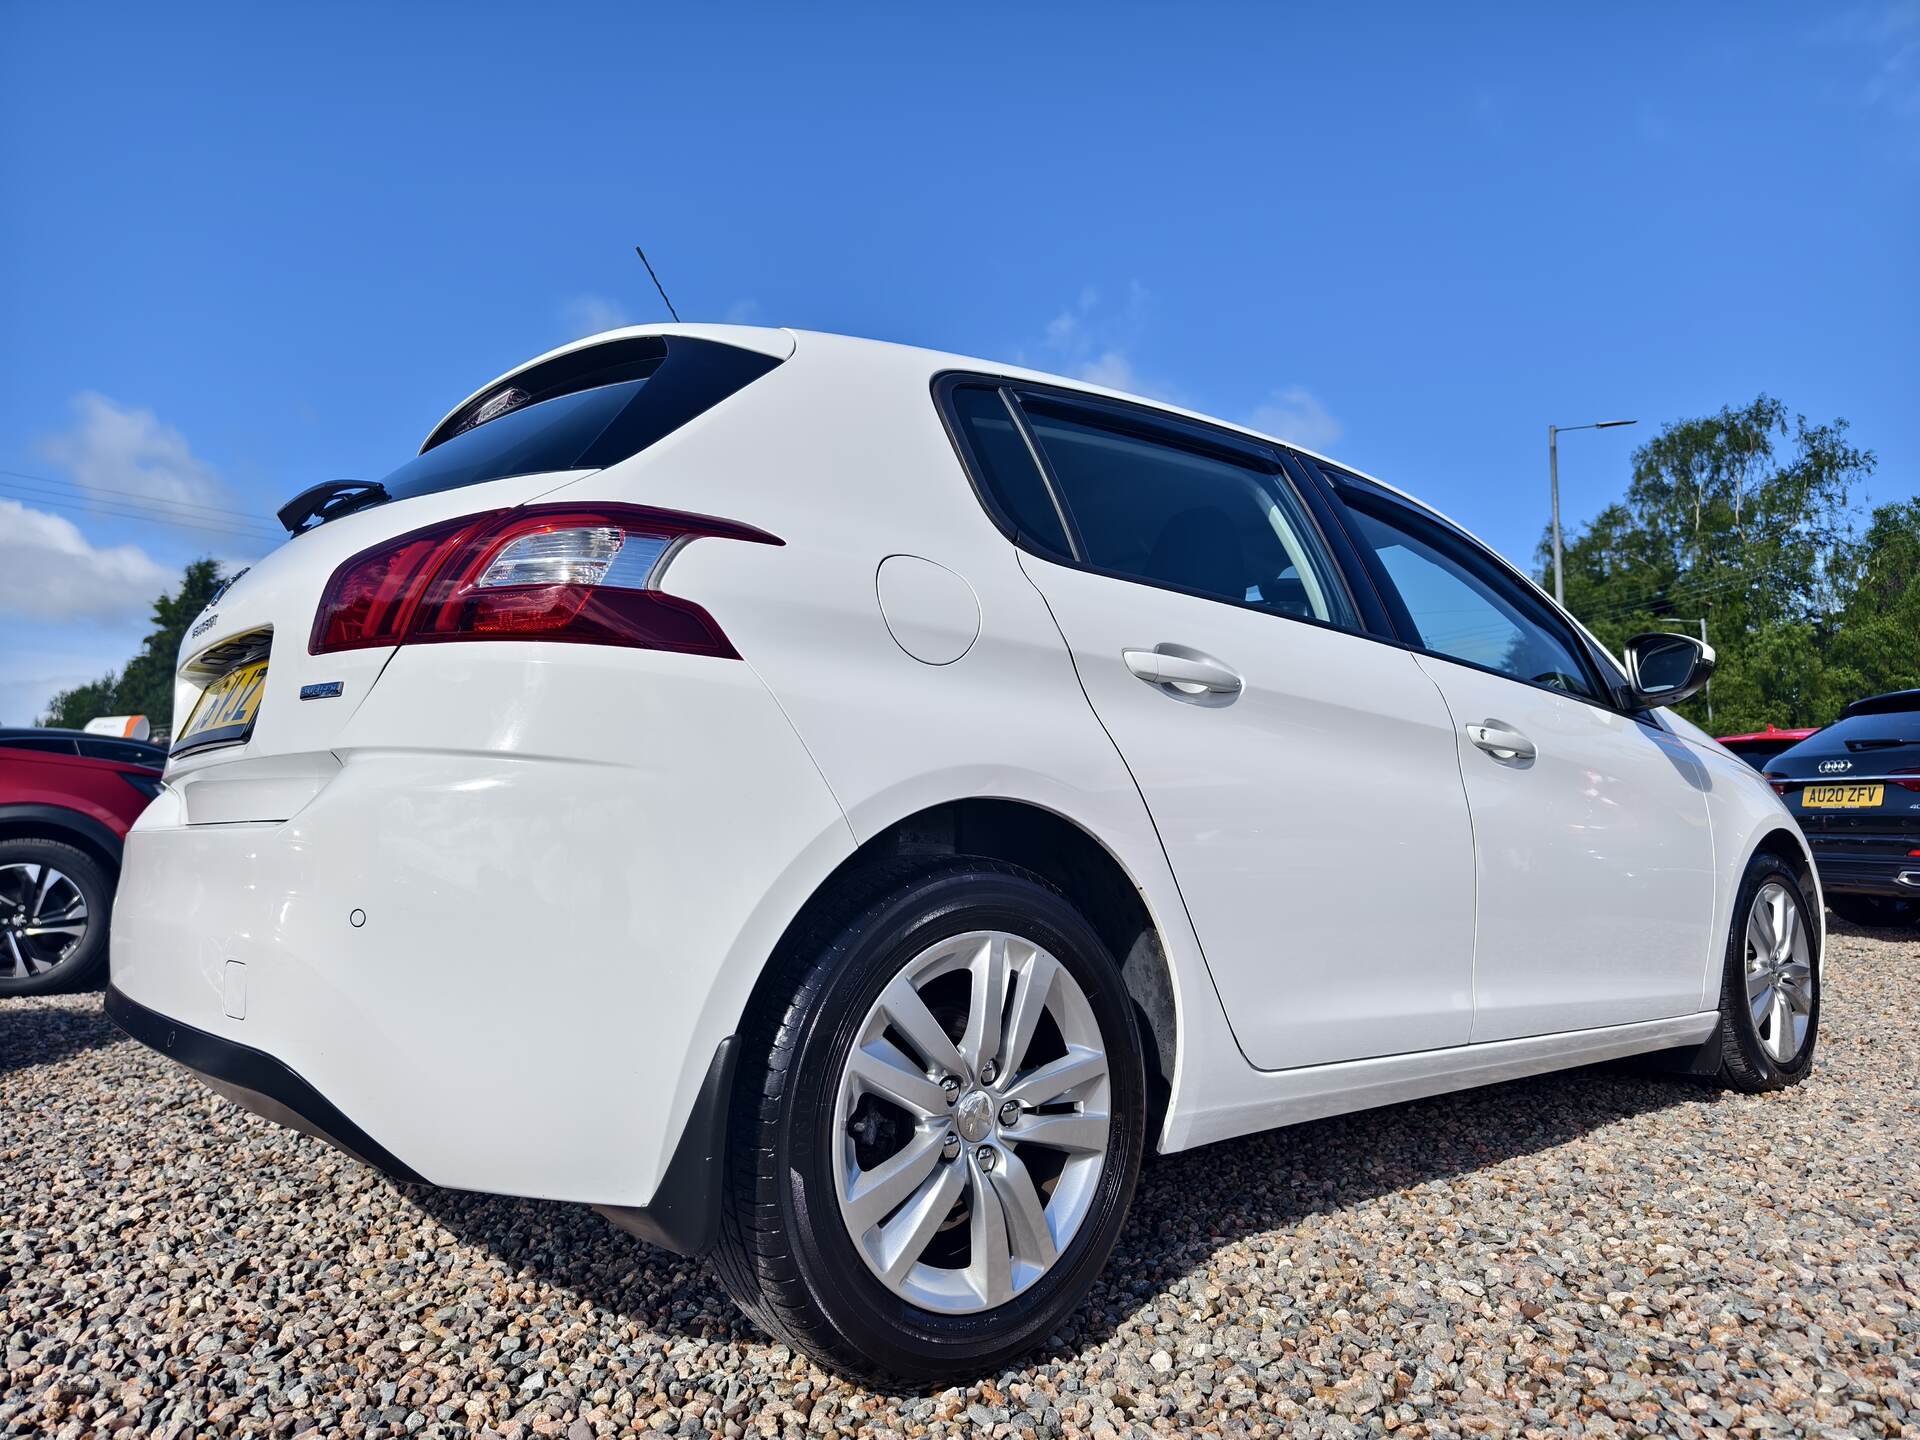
<point>1553,471</point>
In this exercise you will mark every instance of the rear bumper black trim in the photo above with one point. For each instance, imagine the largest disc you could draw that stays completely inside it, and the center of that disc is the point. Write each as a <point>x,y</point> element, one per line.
<point>683,1215</point>
<point>1855,874</point>
<point>256,1080</point>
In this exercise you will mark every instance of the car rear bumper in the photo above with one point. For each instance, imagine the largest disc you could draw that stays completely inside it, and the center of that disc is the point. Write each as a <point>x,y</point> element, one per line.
<point>480,967</point>
<point>255,1080</point>
<point>1847,870</point>
<point>682,1216</point>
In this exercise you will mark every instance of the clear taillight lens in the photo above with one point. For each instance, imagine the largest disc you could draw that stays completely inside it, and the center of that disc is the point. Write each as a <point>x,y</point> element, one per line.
<point>546,572</point>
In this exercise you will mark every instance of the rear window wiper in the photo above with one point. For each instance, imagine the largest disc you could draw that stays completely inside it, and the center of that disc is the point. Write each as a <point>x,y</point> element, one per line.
<point>329,500</point>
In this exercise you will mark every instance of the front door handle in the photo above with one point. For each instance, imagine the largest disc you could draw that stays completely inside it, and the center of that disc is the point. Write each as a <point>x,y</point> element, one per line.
<point>1191,675</point>
<point>1501,740</point>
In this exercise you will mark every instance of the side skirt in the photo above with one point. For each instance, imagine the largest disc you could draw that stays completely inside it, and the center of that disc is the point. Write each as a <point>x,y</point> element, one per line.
<point>1269,1099</point>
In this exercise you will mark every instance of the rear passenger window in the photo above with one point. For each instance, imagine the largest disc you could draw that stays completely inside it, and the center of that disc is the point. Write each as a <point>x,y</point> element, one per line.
<point>1006,467</point>
<point>1208,523</point>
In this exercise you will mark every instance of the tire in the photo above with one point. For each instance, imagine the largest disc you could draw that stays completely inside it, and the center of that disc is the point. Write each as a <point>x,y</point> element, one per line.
<point>1769,1051</point>
<point>1876,912</point>
<point>799,1143</point>
<point>47,886</point>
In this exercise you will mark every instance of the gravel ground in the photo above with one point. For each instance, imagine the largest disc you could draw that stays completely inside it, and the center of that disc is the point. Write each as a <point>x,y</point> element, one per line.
<point>1602,1251</point>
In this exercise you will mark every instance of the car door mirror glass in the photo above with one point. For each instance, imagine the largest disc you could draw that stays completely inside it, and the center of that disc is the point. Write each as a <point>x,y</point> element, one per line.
<point>1666,669</point>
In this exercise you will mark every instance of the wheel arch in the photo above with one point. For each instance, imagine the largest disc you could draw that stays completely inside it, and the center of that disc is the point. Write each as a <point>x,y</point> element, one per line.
<point>69,827</point>
<point>1060,850</point>
<point>1791,850</point>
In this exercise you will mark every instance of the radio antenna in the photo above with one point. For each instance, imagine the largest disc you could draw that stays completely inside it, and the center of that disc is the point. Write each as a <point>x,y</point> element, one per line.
<point>656,283</point>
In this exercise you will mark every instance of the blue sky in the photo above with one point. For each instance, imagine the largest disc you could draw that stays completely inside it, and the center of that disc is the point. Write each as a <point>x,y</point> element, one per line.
<point>245,248</point>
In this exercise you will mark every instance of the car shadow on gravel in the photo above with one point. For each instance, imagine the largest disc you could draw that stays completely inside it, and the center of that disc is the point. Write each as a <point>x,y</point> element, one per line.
<point>1187,1206</point>
<point>31,1035</point>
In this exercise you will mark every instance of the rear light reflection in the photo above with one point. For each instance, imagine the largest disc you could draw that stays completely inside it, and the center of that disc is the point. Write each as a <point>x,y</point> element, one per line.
<point>587,575</point>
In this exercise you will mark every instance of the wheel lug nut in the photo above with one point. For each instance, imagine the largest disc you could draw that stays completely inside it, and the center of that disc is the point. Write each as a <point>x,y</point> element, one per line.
<point>985,1156</point>
<point>987,1072</point>
<point>951,1088</point>
<point>950,1146</point>
<point>1010,1113</point>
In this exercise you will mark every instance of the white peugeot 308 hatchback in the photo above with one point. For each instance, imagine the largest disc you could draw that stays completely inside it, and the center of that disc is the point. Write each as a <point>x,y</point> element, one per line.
<point>832,806</point>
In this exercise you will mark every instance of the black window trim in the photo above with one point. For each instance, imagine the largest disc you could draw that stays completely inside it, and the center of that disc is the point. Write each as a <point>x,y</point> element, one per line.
<point>1607,694</point>
<point>1146,423</point>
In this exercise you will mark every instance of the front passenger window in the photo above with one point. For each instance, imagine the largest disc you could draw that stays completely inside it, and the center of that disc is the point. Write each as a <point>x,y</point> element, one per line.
<point>1203,522</point>
<point>1462,607</point>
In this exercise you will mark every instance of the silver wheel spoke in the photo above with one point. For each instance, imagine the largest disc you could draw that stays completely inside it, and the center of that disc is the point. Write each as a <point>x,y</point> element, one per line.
<point>987,1001</point>
<point>1026,1215</point>
<point>1761,1004</point>
<point>882,1070</point>
<point>1777,920</point>
<point>1758,935</point>
<point>877,1193</point>
<point>1030,997</point>
<point>910,1016</point>
<point>74,929</point>
<point>1758,982</point>
<point>904,1238</point>
<point>1782,1025</point>
<point>47,876</point>
<point>952,1220</point>
<point>1076,1068</point>
<point>990,1268</point>
<point>1084,1133</point>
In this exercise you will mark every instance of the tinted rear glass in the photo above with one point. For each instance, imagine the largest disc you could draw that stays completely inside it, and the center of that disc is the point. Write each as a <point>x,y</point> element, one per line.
<point>586,426</point>
<point>552,435</point>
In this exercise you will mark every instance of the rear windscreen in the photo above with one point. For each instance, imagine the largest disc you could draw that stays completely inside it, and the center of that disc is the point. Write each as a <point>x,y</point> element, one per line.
<point>572,422</point>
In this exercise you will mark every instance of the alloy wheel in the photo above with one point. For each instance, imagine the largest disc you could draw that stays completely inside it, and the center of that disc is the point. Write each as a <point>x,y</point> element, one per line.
<point>971,1123</point>
<point>43,919</point>
<point>1780,978</point>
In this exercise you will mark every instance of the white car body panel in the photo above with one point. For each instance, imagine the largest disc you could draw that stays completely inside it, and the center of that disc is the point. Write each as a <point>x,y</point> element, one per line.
<point>1278,831</point>
<point>574,862</point>
<point>1608,808</point>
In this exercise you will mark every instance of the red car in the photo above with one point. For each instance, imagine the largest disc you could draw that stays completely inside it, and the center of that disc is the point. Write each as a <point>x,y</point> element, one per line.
<point>67,800</point>
<point>1762,745</point>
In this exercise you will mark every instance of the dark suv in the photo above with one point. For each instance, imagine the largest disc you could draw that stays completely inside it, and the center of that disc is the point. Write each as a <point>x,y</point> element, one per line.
<point>67,800</point>
<point>1855,789</point>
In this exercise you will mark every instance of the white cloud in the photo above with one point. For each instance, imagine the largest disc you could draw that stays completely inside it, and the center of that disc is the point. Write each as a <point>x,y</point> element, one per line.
<point>49,570</point>
<point>1296,414</point>
<point>1093,341</point>
<point>743,312</point>
<point>111,447</point>
<point>590,314</point>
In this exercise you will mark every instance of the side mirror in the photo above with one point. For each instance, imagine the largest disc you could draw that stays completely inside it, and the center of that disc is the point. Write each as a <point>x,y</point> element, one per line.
<point>1666,669</point>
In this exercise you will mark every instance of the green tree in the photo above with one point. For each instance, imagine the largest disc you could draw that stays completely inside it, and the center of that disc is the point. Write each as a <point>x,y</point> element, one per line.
<point>1746,518</point>
<point>145,686</point>
<point>1876,646</point>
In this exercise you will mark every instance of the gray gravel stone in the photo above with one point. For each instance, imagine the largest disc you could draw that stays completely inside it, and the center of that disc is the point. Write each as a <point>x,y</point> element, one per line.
<point>1603,1252</point>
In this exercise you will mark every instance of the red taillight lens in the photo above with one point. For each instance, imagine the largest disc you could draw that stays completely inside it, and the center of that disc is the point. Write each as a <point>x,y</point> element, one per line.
<point>541,572</point>
<point>1913,784</point>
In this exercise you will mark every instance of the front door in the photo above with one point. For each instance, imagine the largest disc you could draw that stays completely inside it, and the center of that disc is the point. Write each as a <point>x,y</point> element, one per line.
<point>1594,856</point>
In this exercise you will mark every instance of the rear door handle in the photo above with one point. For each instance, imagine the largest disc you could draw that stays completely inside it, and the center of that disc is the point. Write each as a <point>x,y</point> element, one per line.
<point>1189,674</point>
<point>1501,740</point>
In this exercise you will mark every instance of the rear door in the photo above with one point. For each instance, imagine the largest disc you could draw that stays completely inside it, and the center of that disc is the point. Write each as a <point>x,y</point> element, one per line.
<point>1302,777</point>
<point>1594,855</point>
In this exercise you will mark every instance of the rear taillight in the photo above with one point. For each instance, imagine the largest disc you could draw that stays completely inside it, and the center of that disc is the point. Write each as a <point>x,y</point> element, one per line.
<point>1913,784</point>
<point>586,574</point>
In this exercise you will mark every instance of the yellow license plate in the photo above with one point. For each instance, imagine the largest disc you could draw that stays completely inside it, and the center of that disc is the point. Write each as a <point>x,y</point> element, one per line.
<point>1842,797</point>
<point>226,710</point>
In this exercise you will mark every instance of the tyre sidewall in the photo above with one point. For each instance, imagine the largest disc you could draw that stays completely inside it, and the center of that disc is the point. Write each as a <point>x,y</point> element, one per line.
<point>869,1315</point>
<point>1764,1072</point>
